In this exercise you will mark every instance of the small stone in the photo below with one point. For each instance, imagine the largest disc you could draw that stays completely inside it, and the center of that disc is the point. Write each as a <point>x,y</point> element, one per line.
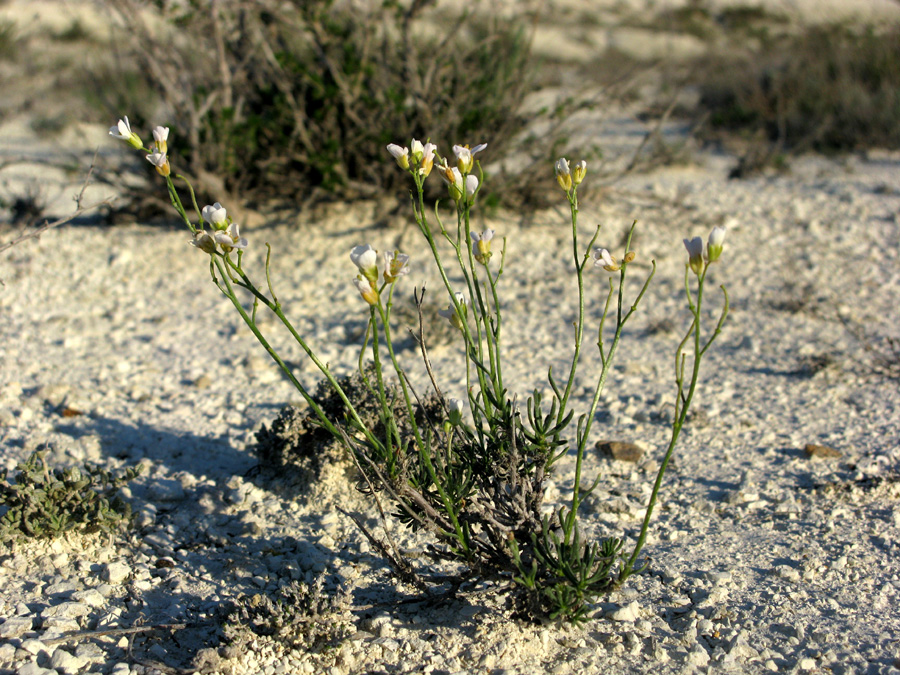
<point>621,450</point>
<point>814,451</point>
<point>7,652</point>
<point>115,572</point>
<point>698,656</point>
<point>786,572</point>
<point>166,490</point>
<point>807,664</point>
<point>89,596</point>
<point>32,668</point>
<point>66,610</point>
<point>65,662</point>
<point>15,626</point>
<point>33,646</point>
<point>629,613</point>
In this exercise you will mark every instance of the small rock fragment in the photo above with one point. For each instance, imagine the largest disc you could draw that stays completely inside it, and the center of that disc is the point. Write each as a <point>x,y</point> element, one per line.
<point>621,450</point>
<point>15,626</point>
<point>629,613</point>
<point>115,572</point>
<point>815,451</point>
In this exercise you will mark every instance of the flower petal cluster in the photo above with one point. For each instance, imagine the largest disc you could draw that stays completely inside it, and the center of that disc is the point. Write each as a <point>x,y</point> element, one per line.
<point>366,259</point>
<point>123,131</point>
<point>366,289</point>
<point>605,260</point>
<point>714,246</point>
<point>458,185</point>
<point>160,161</point>
<point>465,157</point>
<point>455,409</point>
<point>215,215</point>
<point>481,246</point>
<point>400,154</point>
<point>457,319</point>
<point>160,138</point>
<point>396,265</point>
<point>569,178</point>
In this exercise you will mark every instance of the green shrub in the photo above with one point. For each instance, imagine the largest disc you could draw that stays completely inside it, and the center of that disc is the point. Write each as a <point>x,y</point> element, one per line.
<point>298,99</point>
<point>829,89</point>
<point>41,502</point>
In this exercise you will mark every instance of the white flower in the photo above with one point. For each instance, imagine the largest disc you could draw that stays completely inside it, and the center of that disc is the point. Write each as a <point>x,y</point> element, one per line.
<point>161,136</point>
<point>604,260</point>
<point>399,154</point>
<point>160,161</point>
<point>481,246</point>
<point>230,238</point>
<point>396,265</point>
<point>215,215</point>
<point>563,175</point>
<point>204,242</point>
<point>123,131</point>
<point>450,313</point>
<point>366,290</point>
<point>695,252</point>
<point>366,259</point>
<point>465,157</point>
<point>714,244</point>
<point>427,159</point>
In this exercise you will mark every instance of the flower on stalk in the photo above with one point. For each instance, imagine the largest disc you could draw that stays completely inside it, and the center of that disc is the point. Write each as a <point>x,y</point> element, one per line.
<point>123,131</point>
<point>230,238</point>
<point>714,244</point>
<point>368,292</point>
<point>366,259</point>
<point>563,175</point>
<point>481,246</point>
<point>160,137</point>
<point>399,154</point>
<point>160,161</point>
<point>396,265</point>
<point>450,313</point>
<point>455,407</point>
<point>458,186</point>
<point>578,172</point>
<point>603,259</point>
<point>215,215</point>
<point>465,157</point>
<point>427,161</point>
<point>204,241</point>
<point>695,252</point>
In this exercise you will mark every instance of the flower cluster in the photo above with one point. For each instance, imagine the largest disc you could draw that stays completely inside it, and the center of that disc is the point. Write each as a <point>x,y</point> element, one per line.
<point>418,158</point>
<point>225,233</point>
<point>714,248</point>
<point>365,258</point>
<point>567,178</point>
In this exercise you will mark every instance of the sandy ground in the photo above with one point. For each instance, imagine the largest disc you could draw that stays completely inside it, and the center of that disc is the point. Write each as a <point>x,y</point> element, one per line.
<point>764,559</point>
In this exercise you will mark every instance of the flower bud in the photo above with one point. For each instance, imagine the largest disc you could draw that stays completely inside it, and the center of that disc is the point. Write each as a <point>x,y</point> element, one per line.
<point>465,158</point>
<point>215,215</point>
<point>695,252</point>
<point>399,154</point>
<point>578,172</point>
<point>366,259</point>
<point>603,259</point>
<point>631,255</point>
<point>715,244</point>
<point>455,407</point>
<point>563,175</point>
<point>481,246</point>
<point>368,292</point>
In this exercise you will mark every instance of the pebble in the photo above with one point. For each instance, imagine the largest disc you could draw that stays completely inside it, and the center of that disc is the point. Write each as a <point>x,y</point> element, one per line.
<point>66,610</point>
<point>115,572</point>
<point>622,451</point>
<point>815,451</point>
<point>66,662</point>
<point>15,626</point>
<point>629,613</point>
<point>166,490</point>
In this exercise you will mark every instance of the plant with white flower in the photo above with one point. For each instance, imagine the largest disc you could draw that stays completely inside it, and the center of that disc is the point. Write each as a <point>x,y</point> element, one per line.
<point>475,482</point>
